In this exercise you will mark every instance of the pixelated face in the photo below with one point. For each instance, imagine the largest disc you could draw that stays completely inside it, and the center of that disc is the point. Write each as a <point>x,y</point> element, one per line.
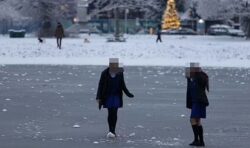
<point>115,66</point>
<point>113,63</point>
<point>196,69</point>
<point>192,70</point>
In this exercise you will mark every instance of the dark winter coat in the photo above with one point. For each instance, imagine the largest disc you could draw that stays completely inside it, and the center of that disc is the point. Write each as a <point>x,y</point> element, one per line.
<point>202,85</point>
<point>104,87</point>
<point>159,31</point>
<point>59,33</point>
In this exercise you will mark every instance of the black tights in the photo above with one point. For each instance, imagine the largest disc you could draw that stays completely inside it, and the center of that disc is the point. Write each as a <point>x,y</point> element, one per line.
<point>112,119</point>
<point>158,39</point>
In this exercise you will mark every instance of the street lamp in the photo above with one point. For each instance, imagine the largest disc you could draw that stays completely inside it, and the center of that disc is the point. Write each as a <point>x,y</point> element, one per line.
<point>201,21</point>
<point>201,27</point>
<point>126,21</point>
<point>109,22</point>
<point>76,20</point>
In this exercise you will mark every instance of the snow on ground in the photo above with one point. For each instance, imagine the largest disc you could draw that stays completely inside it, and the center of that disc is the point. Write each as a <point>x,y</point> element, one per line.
<point>140,50</point>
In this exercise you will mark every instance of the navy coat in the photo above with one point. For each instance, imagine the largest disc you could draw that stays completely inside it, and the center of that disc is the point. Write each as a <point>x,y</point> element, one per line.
<point>104,87</point>
<point>200,90</point>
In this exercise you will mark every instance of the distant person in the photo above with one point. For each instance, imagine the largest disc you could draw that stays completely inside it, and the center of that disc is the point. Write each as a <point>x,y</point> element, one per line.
<point>159,34</point>
<point>110,93</point>
<point>59,34</point>
<point>40,40</point>
<point>197,101</point>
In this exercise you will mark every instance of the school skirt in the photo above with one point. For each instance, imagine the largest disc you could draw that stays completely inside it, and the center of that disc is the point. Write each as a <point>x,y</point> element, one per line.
<point>198,110</point>
<point>112,102</point>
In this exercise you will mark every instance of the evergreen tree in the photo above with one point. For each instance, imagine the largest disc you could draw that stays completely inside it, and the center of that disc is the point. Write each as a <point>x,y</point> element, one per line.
<point>171,18</point>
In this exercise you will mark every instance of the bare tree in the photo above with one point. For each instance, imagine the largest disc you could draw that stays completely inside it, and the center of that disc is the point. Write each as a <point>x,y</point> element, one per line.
<point>225,10</point>
<point>43,13</point>
<point>151,8</point>
<point>241,9</point>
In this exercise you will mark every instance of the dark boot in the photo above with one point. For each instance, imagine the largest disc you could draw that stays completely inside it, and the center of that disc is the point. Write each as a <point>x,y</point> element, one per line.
<point>200,134</point>
<point>196,140</point>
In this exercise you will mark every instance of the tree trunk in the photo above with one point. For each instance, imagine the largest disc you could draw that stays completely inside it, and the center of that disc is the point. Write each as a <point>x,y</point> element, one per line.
<point>246,26</point>
<point>117,24</point>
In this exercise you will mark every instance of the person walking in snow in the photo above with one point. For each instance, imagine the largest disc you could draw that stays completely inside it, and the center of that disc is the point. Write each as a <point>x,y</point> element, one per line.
<point>110,93</point>
<point>158,34</point>
<point>59,34</point>
<point>196,100</point>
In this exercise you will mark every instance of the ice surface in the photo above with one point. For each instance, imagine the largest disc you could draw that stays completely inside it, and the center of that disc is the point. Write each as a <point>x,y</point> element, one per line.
<point>155,118</point>
<point>4,110</point>
<point>131,134</point>
<point>76,126</point>
<point>139,126</point>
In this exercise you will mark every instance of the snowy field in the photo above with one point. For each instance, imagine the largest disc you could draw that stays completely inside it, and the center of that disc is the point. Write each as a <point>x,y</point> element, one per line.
<point>139,50</point>
<point>55,107</point>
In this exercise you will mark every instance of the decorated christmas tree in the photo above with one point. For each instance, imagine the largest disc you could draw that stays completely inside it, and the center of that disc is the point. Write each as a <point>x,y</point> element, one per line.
<point>171,18</point>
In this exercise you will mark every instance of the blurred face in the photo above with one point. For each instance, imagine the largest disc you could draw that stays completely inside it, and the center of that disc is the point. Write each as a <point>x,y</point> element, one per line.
<point>191,71</point>
<point>114,67</point>
<point>194,70</point>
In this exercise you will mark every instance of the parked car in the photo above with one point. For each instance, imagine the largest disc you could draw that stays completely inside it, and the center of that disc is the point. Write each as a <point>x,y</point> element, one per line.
<point>225,30</point>
<point>236,32</point>
<point>181,31</point>
<point>218,30</point>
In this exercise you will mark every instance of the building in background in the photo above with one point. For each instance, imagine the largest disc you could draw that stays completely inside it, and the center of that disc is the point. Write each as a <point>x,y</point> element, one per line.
<point>80,21</point>
<point>82,11</point>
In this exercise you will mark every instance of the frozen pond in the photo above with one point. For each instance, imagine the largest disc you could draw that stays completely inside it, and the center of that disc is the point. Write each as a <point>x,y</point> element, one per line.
<point>55,107</point>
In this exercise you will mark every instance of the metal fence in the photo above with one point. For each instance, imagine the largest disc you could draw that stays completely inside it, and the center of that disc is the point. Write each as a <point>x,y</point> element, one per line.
<point>130,26</point>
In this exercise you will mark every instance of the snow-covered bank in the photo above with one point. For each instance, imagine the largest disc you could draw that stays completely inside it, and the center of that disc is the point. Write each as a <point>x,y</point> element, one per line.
<point>139,50</point>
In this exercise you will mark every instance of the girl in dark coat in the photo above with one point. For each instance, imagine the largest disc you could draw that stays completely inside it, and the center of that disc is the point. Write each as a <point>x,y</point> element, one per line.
<point>59,34</point>
<point>197,101</point>
<point>158,34</point>
<point>110,93</point>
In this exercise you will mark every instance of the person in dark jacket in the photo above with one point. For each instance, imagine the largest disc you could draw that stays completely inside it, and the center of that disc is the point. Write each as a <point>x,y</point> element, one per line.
<point>110,93</point>
<point>59,34</point>
<point>159,34</point>
<point>196,100</point>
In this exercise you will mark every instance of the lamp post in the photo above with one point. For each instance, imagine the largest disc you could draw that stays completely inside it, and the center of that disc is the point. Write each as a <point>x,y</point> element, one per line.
<point>126,21</point>
<point>109,22</point>
<point>117,23</point>
<point>76,20</point>
<point>82,17</point>
<point>201,27</point>
<point>117,35</point>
